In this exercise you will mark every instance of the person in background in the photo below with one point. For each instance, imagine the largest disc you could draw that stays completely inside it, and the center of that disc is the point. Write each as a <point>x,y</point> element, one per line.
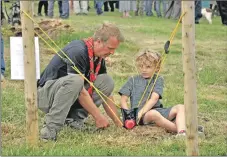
<point>222,5</point>
<point>40,5</point>
<point>63,8</point>
<point>148,7</point>
<point>3,68</point>
<point>80,7</point>
<point>117,4</point>
<point>2,14</point>
<point>174,10</point>
<point>111,4</point>
<point>158,7</point>
<point>198,9</point>
<point>71,5</point>
<point>126,6</point>
<point>2,48</point>
<point>98,6</point>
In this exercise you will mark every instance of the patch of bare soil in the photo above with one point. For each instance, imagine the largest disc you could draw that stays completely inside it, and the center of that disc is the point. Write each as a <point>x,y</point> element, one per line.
<point>148,131</point>
<point>118,136</point>
<point>52,27</point>
<point>132,138</point>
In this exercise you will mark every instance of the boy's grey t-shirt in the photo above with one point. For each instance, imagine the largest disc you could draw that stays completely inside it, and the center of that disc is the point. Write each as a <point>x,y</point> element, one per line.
<point>135,87</point>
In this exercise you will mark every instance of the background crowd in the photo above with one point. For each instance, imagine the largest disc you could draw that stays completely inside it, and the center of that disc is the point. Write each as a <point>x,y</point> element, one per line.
<point>160,8</point>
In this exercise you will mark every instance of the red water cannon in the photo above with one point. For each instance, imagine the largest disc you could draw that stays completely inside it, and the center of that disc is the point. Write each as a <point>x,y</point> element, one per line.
<point>130,124</point>
<point>129,117</point>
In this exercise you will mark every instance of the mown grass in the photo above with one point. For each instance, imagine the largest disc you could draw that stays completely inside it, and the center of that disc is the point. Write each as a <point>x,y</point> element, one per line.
<point>211,65</point>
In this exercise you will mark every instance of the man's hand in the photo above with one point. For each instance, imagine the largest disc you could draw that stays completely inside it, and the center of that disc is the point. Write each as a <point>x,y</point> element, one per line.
<point>101,122</point>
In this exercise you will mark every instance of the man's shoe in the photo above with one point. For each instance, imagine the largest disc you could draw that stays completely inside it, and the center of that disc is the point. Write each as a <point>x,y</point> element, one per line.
<point>76,124</point>
<point>48,133</point>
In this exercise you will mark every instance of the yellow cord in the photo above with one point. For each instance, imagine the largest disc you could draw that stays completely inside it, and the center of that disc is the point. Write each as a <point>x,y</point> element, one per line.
<point>97,90</point>
<point>162,62</point>
<point>73,67</point>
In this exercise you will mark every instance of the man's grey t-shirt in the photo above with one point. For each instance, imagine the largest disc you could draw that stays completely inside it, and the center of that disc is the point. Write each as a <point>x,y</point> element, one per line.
<point>78,53</point>
<point>135,87</point>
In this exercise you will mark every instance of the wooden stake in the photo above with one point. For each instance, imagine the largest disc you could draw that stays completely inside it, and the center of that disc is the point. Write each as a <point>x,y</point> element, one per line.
<point>189,68</point>
<point>29,74</point>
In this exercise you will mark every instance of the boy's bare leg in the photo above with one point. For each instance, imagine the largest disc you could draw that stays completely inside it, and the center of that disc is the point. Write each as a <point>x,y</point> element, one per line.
<point>158,119</point>
<point>178,112</point>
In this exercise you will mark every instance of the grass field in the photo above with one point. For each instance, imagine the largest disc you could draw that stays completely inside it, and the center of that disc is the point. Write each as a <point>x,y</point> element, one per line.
<point>211,62</point>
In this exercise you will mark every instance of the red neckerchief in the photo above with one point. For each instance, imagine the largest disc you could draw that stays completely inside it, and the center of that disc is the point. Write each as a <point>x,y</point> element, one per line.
<point>93,74</point>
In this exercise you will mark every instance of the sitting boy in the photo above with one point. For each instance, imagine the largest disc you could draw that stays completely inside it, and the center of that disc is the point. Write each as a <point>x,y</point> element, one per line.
<point>150,110</point>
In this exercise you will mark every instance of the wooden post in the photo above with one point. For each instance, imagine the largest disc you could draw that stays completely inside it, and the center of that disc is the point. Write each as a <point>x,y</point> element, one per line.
<point>29,74</point>
<point>190,100</point>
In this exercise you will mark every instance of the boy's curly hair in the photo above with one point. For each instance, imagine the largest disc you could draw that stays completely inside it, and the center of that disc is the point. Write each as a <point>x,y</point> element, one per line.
<point>148,57</point>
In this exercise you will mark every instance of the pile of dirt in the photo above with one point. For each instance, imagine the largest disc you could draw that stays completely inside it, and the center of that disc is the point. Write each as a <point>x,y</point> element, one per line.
<point>52,27</point>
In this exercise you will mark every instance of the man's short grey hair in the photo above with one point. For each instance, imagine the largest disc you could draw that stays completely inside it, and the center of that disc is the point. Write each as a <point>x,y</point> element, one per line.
<point>106,31</point>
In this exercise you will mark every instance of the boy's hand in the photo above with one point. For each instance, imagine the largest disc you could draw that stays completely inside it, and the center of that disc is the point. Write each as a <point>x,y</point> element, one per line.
<point>140,115</point>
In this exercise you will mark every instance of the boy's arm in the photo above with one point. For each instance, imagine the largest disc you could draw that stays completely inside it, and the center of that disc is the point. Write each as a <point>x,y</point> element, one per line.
<point>111,111</point>
<point>124,100</point>
<point>150,103</point>
<point>155,96</point>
